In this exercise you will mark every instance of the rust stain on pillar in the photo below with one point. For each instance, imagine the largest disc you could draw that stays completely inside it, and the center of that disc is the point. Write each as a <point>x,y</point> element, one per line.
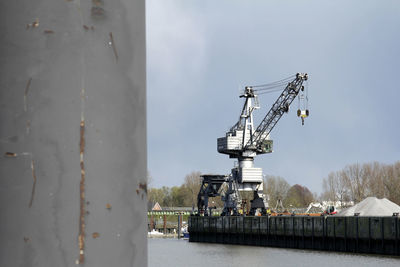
<point>113,46</point>
<point>34,183</point>
<point>82,196</point>
<point>10,155</point>
<point>26,94</point>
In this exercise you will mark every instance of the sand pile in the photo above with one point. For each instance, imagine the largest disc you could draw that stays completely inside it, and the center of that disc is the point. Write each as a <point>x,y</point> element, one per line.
<point>372,206</point>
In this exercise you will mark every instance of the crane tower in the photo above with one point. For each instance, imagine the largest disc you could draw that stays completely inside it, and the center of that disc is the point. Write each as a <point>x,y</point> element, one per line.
<point>244,142</point>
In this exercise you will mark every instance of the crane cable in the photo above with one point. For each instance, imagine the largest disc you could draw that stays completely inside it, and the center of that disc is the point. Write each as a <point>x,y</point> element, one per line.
<point>303,103</point>
<point>271,91</point>
<point>307,94</point>
<point>276,82</point>
<point>272,87</point>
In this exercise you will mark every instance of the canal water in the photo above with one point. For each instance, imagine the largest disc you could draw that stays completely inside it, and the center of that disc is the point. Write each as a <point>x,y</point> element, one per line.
<point>174,252</point>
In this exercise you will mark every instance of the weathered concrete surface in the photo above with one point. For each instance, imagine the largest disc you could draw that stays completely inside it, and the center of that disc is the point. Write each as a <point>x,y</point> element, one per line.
<point>61,63</point>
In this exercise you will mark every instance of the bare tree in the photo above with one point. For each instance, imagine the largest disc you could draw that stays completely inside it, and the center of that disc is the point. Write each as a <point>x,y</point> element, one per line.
<point>275,188</point>
<point>329,187</point>
<point>192,183</point>
<point>374,173</point>
<point>391,180</point>
<point>356,181</point>
<point>336,187</point>
<point>341,188</point>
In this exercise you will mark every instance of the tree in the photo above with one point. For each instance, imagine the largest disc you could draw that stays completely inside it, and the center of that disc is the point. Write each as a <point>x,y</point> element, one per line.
<point>391,180</point>
<point>178,196</point>
<point>298,196</point>
<point>192,183</point>
<point>329,187</point>
<point>155,195</point>
<point>356,181</point>
<point>374,173</point>
<point>335,187</point>
<point>275,188</point>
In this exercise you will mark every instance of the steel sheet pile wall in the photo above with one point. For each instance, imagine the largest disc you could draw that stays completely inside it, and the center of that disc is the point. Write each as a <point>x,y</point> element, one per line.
<point>377,235</point>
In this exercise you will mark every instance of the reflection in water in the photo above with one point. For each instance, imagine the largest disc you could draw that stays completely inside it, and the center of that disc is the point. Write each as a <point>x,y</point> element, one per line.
<point>173,252</point>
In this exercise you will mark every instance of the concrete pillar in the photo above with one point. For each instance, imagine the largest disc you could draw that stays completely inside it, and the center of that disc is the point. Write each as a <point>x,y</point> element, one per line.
<point>73,133</point>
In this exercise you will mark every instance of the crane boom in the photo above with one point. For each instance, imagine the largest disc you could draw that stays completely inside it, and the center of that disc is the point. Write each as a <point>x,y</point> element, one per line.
<point>280,106</point>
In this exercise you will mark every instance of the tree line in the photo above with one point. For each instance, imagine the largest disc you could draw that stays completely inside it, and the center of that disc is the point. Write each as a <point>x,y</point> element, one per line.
<point>278,190</point>
<point>177,196</point>
<point>185,195</point>
<point>357,181</point>
<point>353,183</point>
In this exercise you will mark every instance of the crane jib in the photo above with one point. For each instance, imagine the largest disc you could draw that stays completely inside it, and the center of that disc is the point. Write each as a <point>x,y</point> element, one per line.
<point>280,106</point>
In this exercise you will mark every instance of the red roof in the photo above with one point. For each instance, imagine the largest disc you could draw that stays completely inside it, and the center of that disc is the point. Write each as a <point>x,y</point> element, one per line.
<point>156,207</point>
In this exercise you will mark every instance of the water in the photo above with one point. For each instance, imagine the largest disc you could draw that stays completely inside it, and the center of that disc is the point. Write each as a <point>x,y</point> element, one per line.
<point>174,252</point>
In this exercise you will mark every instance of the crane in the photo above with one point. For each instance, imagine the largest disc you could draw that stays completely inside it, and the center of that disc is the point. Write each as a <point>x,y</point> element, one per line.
<point>244,142</point>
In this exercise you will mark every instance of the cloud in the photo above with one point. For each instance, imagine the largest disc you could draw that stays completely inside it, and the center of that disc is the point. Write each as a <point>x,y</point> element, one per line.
<point>176,45</point>
<point>196,59</point>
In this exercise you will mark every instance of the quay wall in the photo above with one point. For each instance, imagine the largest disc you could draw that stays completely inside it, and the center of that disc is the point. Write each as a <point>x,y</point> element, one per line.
<point>375,235</point>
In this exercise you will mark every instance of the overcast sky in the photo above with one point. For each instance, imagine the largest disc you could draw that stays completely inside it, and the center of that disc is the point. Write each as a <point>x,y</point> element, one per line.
<point>200,53</point>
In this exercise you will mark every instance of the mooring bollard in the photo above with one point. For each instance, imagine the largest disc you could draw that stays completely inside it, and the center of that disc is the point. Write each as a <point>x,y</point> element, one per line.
<point>152,223</point>
<point>179,225</point>
<point>165,223</point>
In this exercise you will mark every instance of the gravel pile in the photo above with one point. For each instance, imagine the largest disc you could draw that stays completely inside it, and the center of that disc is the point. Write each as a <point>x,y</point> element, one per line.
<point>372,206</point>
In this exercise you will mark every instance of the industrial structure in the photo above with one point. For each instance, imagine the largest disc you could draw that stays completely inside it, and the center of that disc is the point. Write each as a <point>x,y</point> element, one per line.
<point>323,230</point>
<point>244,142</point>
<point>354,234</point>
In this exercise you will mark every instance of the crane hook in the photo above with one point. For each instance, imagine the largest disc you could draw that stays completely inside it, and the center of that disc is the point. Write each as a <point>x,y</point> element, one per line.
<point>303,114</point>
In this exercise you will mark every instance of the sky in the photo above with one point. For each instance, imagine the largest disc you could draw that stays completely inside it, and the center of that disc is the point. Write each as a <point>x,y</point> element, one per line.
<point>200,54</point>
